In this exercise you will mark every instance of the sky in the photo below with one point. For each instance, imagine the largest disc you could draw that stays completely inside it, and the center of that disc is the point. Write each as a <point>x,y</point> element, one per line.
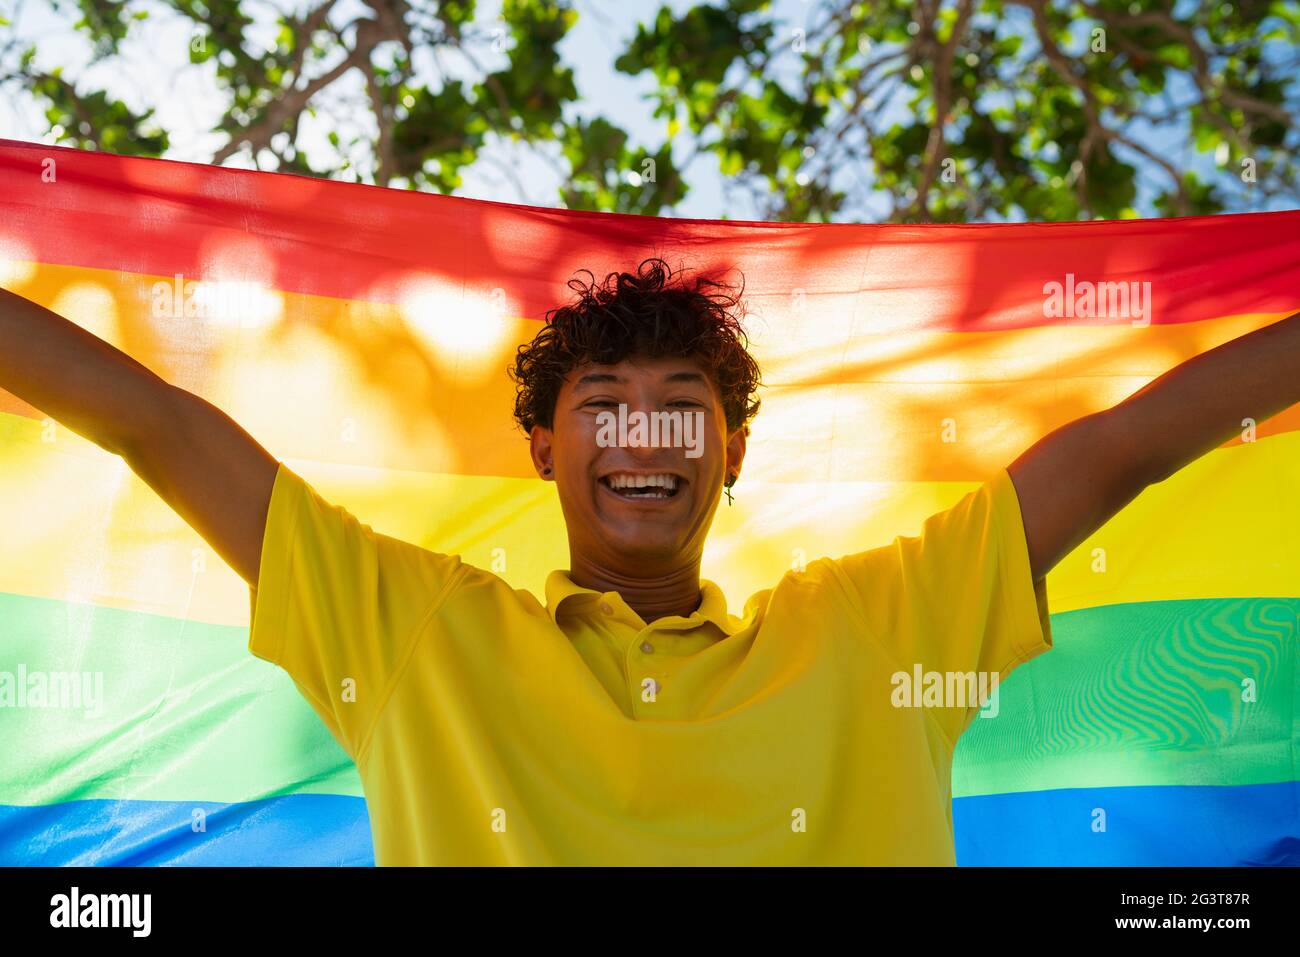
<point>193,104</point>
<point>158,59</point>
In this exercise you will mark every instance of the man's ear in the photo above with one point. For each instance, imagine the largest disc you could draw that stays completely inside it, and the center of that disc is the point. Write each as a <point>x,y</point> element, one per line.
<point>736,451</point>
<point>541,448</point>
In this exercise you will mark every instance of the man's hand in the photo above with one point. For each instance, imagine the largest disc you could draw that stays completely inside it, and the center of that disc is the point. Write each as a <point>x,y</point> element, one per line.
<point>212,472</point>
<point>1072,481</point>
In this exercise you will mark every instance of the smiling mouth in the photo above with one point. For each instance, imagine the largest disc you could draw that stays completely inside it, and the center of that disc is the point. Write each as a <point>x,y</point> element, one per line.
<point>641,488</point>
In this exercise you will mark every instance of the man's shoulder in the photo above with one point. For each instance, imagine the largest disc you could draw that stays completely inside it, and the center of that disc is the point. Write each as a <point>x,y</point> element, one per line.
<point>470,587</point>
<point>808,588</point>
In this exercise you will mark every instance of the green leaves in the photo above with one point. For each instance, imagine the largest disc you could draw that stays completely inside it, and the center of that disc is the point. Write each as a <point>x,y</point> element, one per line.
<point>525,99</point>
<point>94,120</point>
<point>955,110</point>
<point>1058,110</point>
<point>610,175</point>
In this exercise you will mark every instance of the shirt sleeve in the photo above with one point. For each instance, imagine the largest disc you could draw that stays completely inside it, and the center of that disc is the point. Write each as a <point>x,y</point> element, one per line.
<point>956,599</point>
<point>339,606</point>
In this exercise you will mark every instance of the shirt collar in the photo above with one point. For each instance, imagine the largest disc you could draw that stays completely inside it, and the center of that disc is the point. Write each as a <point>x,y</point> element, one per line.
<point>713,604</point>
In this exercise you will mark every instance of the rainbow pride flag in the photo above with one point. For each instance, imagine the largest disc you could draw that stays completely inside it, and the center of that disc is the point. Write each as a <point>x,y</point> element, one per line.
<point>362,335</point>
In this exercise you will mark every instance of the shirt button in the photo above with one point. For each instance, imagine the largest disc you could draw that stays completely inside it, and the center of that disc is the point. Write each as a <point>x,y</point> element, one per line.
<point>607,608</point>
<point>647,647</point>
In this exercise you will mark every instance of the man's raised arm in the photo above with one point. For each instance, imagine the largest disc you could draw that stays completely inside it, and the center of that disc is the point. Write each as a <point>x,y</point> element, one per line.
<point>1073,480</point>
<point>212,472</point>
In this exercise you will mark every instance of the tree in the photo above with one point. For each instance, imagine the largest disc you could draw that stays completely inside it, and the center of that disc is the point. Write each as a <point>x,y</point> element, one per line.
<point>422,133</point>
<point>936,110</point>
<point>976,109</point>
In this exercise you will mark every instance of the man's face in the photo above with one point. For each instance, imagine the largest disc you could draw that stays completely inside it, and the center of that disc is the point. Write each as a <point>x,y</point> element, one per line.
<point>635,509</point>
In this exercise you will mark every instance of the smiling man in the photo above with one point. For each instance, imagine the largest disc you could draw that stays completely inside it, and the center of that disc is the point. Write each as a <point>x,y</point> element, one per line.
<point>638,513</point>
<point>631,718</point>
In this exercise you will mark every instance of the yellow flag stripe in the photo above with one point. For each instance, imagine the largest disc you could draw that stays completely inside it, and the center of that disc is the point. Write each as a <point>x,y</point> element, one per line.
<point>88,530</point>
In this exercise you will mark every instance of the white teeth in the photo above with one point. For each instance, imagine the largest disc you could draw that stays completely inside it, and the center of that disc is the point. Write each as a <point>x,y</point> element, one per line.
<point>622,480</point>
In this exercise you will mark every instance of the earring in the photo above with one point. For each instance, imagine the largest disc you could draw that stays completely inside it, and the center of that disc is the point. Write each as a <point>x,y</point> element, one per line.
<point>547,470</point>
<point>731,480</point>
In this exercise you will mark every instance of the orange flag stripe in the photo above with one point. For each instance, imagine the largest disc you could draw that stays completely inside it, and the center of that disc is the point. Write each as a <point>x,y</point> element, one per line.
<point>420,384</point>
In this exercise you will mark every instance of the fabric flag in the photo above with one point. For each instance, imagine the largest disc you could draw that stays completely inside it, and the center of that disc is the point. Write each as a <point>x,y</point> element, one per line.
<point>363,334</point>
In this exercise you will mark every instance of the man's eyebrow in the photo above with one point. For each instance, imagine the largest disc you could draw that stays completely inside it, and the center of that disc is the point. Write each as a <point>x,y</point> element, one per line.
<point>596,378</point>
<point>687,377</point>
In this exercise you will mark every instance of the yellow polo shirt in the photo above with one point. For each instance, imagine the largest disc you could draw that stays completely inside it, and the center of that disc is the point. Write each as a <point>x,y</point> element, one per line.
<point>490,729</point>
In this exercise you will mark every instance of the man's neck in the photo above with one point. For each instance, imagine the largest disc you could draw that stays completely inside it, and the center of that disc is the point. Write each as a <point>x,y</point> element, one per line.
<point>676,593</point>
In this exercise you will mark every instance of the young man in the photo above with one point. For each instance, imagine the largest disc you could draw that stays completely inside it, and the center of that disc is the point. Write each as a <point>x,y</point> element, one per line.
<point>631,719</point>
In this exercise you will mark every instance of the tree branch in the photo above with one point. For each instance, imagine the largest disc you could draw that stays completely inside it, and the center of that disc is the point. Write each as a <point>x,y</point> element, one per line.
<point>942,103</point>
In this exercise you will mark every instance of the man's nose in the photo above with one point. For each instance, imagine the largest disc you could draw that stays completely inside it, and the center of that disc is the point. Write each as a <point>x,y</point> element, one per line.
<point>658,431</point>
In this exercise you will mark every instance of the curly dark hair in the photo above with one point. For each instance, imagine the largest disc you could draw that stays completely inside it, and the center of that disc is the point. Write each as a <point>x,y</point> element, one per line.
<point>653,313</point>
